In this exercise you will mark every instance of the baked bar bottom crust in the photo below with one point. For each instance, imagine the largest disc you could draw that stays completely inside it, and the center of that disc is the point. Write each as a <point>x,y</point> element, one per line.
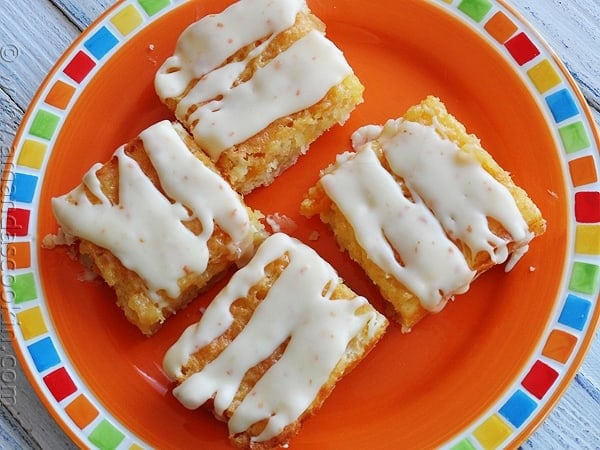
<point>279,315</point>
<point>403,305</point>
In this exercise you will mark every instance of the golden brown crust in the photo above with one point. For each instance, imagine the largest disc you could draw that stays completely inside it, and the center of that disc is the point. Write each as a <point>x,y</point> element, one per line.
<point>261,158</point>
<point>131,290</point>
<point>305,22</point>
<point>448,126</point>
<point>405,307</point>
<point>242,310</point>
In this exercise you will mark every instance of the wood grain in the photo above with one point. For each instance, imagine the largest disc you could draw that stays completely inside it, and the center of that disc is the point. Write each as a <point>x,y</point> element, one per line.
<point>82,13</point>
<point>29,57</point>
<point>572,29</point>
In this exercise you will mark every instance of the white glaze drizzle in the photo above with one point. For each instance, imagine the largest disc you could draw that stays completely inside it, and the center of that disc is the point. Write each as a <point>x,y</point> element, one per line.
<point>145,230</point>
<point>186,179</point>
<point>454,185</point>
<point>386,223</point>
<point>206,44</point>
<point>295,308</point>
<point>365,134</point>
<point>294,80</point>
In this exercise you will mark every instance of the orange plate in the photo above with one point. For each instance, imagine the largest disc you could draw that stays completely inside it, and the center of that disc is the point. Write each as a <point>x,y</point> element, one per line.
<point>446,382</point>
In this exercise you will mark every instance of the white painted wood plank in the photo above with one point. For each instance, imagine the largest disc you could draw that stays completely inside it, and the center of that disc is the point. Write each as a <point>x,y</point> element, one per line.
<point>591,365</point>
<point>596,114</point>
<point>8,439</point>
<point>82,13</point>
<point>575,421</point>
<point>572,28</point>
<point>573,424</point>
<point>31,426</point>
<point>11,115</point>
<point>25,57</point>
<point>24,422</point>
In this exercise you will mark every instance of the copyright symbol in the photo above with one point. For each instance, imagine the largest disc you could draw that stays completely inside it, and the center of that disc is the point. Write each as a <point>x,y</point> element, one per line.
<point>9,53</point>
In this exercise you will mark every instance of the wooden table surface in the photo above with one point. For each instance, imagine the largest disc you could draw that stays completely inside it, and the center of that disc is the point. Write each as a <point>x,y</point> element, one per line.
<point>33,35</point>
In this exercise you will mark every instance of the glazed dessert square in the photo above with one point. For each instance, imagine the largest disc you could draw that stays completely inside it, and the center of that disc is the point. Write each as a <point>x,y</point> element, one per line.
<point>256,85</point>
<point>271,346</point>
<point>424,209</point>
<point>157,223</point>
